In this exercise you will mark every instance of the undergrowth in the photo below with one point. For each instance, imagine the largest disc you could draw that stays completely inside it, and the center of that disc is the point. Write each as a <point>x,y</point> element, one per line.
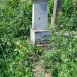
<point>17,54</point>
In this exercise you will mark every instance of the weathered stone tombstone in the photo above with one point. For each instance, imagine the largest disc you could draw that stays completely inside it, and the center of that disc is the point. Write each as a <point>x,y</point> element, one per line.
<point>39,33</point>
<point>56,9</point>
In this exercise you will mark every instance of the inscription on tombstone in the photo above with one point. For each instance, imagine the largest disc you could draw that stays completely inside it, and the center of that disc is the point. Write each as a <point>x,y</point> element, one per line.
<point>39,30</point>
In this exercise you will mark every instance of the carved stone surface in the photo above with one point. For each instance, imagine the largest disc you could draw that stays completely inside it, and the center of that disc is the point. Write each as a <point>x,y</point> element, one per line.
<point>40,37</point>
<point>39,15</point>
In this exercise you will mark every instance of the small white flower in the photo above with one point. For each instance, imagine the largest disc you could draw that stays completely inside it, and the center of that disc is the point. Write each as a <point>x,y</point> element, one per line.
<point>61,25</point>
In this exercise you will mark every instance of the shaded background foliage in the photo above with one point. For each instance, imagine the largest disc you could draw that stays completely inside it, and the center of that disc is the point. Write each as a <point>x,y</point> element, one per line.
<point>15,17</point>
<point>67,18</point>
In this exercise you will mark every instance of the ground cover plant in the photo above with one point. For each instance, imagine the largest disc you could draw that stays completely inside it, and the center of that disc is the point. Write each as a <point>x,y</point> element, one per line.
<point>62,59</point>
<point>15,21</point>
<point>14,60</point>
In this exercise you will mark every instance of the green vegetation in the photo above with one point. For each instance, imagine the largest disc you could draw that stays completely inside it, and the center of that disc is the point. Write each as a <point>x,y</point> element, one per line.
<point>15,21</point>
<point>15,50</point>
<point>67,17</point>
<point>62,59</point>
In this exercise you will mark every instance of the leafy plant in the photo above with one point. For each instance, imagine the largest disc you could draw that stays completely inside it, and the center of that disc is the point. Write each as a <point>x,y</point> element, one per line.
<point>62,59</point>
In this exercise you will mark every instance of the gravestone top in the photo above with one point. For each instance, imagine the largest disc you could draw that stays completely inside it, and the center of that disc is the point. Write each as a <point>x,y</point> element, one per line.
<point>42,1</point>
<point>39,15</point>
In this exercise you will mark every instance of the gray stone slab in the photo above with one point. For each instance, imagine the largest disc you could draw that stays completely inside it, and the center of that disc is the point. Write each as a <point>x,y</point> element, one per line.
<point>40,15</point>
<point>39,1</point>
<point>40,37</point>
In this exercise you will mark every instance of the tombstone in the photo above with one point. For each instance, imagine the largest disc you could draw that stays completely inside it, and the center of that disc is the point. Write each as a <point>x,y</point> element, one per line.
<point>39,33</point>
<point>56,9</point>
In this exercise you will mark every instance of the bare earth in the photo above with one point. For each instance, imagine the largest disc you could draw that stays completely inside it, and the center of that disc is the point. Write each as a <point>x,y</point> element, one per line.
<point>39,71</point>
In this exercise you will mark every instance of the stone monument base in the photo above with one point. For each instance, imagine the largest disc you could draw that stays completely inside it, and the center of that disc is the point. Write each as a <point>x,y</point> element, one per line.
<point>40,36</point>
